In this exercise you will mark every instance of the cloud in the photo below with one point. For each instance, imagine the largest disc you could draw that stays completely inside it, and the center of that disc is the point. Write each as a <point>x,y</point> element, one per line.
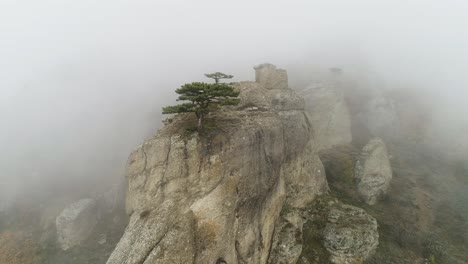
<point>83,81</point>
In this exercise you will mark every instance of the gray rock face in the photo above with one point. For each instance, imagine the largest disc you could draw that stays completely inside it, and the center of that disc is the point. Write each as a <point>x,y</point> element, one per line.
<point>255,96</point>
<point>350,235</point>
<point>373,171</point>
<point>287,240</point>
<point>329,114</point>
<point>270,77</point>
<point>76,223</point>
<point>217,198</point>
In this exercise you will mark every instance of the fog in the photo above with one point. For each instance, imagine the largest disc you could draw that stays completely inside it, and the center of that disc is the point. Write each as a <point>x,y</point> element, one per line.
<point>83,82</point>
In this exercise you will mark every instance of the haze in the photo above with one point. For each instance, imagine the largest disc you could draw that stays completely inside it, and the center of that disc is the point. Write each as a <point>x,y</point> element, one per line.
<point>83,82</point>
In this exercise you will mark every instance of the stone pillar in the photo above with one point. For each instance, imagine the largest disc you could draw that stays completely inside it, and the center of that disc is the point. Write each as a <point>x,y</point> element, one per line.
<point>270,77</point>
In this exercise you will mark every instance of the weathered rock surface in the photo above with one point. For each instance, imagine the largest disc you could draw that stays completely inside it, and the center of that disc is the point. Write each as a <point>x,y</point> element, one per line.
<point>373,171</point>
<point>329,114</point>
<point>76,223</point>
<point>255,96</point>
<point>287,239</point>
<point>350,235</point>
<point>271,77</point>
<point>217,198</point>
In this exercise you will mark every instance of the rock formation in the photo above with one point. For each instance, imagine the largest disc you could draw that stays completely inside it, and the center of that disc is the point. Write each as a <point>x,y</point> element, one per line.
<point>329,113</point>
<point>251,188</point>
<point>350,235</point>
<point>287,240</point>
<point>255,96</point>
<point>76,223</point>
<point>373,171</point>
<point>270,77</point>
<point>224,196</point>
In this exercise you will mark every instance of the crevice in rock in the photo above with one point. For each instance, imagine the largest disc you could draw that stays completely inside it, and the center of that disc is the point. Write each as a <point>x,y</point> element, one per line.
<point>145,157</point>
<point>240,260</point>
<point>221,261</point>
<point>156,244</point>
<point>308,122</point>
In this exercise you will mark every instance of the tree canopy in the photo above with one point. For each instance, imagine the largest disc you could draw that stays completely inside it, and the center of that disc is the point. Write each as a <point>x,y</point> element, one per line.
<point>218,76</point>
<point>201,96</point>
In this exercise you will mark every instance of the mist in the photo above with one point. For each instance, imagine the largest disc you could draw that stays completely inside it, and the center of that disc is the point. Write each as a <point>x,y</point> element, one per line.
<point>83,82</point>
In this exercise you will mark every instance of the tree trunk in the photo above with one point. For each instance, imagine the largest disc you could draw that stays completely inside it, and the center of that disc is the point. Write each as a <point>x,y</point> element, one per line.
<point>200,122</point>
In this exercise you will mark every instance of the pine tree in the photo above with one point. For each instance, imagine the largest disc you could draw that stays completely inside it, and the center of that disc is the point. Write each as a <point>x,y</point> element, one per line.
<point>218,76</point>
<point>201,97</point>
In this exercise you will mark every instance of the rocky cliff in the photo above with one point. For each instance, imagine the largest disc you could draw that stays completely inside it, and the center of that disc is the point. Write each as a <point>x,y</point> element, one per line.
<point>219,197</point>
<point>252,188</point>
<point>325,101</point>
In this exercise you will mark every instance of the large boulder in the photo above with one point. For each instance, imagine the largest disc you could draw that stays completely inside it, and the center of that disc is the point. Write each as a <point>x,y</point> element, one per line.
<point>373,171</point>
<point>329,113</point>
<point>350,234</point>
<point>76,223</point>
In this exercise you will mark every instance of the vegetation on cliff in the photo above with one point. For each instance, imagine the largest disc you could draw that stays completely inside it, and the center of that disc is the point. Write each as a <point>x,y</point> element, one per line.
<point>204,97</point>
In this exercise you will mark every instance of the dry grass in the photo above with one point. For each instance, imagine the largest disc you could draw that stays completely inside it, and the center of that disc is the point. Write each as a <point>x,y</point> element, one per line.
<point>18,248</point>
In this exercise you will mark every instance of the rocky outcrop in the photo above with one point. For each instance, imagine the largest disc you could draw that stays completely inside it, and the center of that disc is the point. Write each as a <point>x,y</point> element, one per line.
<point>256,97</point>
<point>329,114</point>
<point>350,235</point>
<point>287,240</point>
<point>270,77</point>
<point>217,197</point>
<point>373,171</point>
<point>76,222</point>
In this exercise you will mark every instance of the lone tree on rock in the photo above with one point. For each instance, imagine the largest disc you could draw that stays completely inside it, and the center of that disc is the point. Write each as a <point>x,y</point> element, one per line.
<point>218,76</point>
<point>202,97</point>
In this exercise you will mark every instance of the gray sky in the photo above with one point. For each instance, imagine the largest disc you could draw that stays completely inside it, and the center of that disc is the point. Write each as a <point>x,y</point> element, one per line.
<point>82,82</point>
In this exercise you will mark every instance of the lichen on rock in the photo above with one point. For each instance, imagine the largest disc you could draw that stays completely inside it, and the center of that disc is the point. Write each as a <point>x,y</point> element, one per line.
<point>350,234</point>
